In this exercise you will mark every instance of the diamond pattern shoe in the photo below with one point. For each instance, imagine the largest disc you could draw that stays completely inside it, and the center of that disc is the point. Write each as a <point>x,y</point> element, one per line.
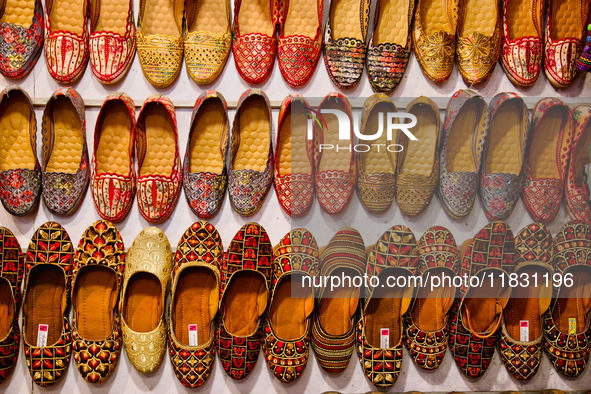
<point>547,159</point>
<point>576,192</point>
<point>20,172</point>
<point>49,264</point>
<point>195,294</point>
<point>20,46</point>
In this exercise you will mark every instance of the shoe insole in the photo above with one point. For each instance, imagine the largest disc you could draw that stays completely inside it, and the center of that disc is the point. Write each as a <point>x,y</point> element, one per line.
<point>43,303</point>
<point>345,19</point>
<point>113,16</point>
<point>195,302</point>
<point>293,157</point>
<point>94,299</point>
<point>479,16</point>
<point>392,23</point>
<point>292,304</point>
<point>15,125</point>
<point>160,141</point>
<point>331,159</point>
<point>566,19</point>
<point>302,19</point>
<point>244,302</point>
<point>519,19</point>
<point>206,135</point>
<point>434,18</point>
<point>338,305</point>
<point>543,145</point>
<point>211,16</point>
<point>431,306</point>
<point>68,137</point>
<point>581,156</point>
<point>461,136</point>
<point>68,15</point>
<point>524,304</point>
<point>480,303</point>
<point>143,302</point>
<point>6,308</point>
<point>254,125</point>
<point>384,310</point>
<point>574,302</point>
<point>420,154</point>
<point>113,154</point>
<point>19,12</point>
<point>159,18</point>
<point>254,16</point>
<point>374,162</point>
<point>503,146</point>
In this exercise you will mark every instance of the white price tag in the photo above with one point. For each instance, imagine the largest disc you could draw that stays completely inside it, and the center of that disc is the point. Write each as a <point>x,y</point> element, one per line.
<point>192,334</point>
<point>385,338</point>
<point>42,335</point>
<point>524,330</point>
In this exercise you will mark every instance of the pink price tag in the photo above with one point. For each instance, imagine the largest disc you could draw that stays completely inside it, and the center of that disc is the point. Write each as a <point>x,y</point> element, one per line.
<point>43,327</point>
<point>384,338</point>
<point>524,330</point>
<point>193,335</point>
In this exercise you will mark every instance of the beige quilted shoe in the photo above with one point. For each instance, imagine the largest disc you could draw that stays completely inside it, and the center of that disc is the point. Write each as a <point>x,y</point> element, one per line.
<point>147,273</point>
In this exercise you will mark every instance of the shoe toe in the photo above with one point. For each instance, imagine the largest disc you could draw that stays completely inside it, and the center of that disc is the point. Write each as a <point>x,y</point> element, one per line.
<point>157,198</point>
<point>160,57</point>
<point>297,57</point>
<point>386,64</point>
<point>205,55</point>
<point>66,55</point>
<point>20,190</point>
<point>344,61</point>
<point>111,56</point>
<point>254,55</point>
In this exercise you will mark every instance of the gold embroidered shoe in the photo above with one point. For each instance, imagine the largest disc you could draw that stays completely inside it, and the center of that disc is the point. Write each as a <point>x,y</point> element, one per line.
<point>96,280</point>
<point>145,282</point>
<point>576,191</point>
<point>160,40</point>
<point>418,168</point>
<point>208,39</point>
<point>479,39</point>
<point>434,35</point>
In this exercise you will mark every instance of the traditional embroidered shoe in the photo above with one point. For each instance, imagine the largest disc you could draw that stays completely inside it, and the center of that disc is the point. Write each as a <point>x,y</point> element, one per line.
<point>20,172</point>
<point>251,164</point>
<point>160,174</point>
<point>21,37</point>
<point>522,351</point>
<point>465,127</point>
<point>48,271</point>
<point>66,39</point>
<point>11,276</point>
<point>145,284</point>
<point>112,40</point>
<point>343,44</point>
<point>333,323</point>
<point>475,317</point>
<point>207,40</point>
<point>521,56</point>
<point>96,282</point>
<point>300,40</point>
<point>112,169</point>
<point>294,158</point>
<point>576,192</point>
<point>434,35</point>
<point>547,159</point>
<point>566,324</point>
<point>160,40</point>
<point>195,296</point>
<point>244,289</point>
<point>501,178</point>
<point>287,325</point>
<point>426,326</point>
<point>254,43</point>
<point>389,46</point>
<point>479,40</point>
<point>204,168</point>
<point>563,40</point>
<point>380,328</point>
<point>376,169</point>
<point>336,169</point>
<point>418,168</point>
<point>65,171</point>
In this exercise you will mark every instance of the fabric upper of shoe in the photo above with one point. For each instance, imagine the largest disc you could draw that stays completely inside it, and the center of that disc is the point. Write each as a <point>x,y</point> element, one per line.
<point>576,190</point>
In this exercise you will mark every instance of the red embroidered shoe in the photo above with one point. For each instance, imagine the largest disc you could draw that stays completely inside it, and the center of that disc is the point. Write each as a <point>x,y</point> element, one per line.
<point>576,194</point>
<point>246,272</point>
<point>254,44</point>
<point>66,39</point>
<point>21,37</point>
<point>547,159</point>
<point>336,168</point>
<point>112,40</point>
<point>160,175</point>
<point>300,40</point>
<point>287,325</point>
<point>11,274</point>
<point>475,317</point>
<point>112,170</point>
<point>294,158</point>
